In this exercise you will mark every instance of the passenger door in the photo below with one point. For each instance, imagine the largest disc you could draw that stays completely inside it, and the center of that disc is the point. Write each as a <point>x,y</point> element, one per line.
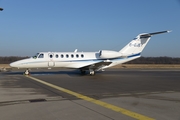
<point>51,60</point>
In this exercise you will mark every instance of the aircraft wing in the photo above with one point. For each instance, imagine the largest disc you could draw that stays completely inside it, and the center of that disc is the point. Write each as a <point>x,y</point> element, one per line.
<point>96,66</point>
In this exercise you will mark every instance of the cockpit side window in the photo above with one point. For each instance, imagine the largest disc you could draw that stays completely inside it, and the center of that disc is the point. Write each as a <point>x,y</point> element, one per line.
<point>35,56</point>
<point>41,56</point>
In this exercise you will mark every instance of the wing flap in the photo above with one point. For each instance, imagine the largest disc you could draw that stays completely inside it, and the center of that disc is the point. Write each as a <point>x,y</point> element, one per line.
<point>96,66</point>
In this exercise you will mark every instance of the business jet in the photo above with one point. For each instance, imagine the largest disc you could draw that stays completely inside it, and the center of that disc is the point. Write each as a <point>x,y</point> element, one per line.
<point>87,61</point>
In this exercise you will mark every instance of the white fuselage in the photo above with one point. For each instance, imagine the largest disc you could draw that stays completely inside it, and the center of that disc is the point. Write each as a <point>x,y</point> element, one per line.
<point>68,60</point>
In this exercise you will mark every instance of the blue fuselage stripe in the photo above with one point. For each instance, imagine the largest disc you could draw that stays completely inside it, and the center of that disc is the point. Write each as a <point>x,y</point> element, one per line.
<point>92,60</point>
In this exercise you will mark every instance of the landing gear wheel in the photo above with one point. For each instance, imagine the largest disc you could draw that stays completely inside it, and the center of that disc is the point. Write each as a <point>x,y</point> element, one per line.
<point>27,72</point>
<point>92,72</point>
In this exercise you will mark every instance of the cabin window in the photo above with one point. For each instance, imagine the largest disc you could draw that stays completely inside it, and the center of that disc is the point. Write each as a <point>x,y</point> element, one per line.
<point>72,56</point>
<point>41,56</point>
<point>62,55</point>
<point>67,55</point>
<point>57,55</point>
<point>77,55</point>
<point>51,56</point>
<point>82,55</point>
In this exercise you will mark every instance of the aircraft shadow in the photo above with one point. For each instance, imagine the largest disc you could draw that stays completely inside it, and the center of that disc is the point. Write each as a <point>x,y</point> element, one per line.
<point>64,72</point>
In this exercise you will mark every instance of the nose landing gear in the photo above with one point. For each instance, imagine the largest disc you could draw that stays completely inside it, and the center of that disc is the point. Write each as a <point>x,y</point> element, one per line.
<point>27,72</point>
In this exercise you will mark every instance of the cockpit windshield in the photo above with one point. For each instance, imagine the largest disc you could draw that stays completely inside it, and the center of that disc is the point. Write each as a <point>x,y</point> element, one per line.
<point>35,56</point>
<point>134,38</point>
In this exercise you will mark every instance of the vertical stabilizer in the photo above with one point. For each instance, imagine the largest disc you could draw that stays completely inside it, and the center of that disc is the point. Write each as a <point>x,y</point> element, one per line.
<point>137,45</point>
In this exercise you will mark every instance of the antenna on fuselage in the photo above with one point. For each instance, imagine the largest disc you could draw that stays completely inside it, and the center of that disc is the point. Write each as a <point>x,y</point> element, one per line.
<point>75,50</point>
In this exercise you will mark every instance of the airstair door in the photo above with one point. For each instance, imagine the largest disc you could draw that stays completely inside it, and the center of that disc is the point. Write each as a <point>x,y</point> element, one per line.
<point>51,64</point>
<point>51,61</point>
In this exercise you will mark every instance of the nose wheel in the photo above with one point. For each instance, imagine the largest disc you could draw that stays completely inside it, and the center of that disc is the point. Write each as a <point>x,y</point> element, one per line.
<point>27,72</point>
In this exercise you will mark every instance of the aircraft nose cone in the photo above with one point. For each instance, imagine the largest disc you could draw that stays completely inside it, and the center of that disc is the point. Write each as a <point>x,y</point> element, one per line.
<point>14,64</point>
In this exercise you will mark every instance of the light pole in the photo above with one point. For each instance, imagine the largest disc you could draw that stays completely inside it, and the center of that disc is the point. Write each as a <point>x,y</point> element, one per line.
<point>1,9</point>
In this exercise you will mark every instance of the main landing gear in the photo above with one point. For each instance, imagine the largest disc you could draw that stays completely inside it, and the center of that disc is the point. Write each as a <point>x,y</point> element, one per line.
<point>27,72</point>
<point>91,72</point>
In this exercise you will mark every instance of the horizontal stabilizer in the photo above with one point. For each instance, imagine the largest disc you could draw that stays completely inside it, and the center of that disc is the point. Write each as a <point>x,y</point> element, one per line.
<point>150,34</point>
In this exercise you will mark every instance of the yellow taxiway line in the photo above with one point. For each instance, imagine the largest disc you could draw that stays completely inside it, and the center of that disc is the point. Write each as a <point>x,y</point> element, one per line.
<point>98,102</point>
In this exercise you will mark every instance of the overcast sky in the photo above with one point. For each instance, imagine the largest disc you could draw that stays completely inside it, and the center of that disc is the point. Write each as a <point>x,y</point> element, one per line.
<point>31,26</point>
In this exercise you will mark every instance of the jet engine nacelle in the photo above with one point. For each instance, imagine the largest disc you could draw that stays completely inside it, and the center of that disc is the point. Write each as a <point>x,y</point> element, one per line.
<point>109,54</point>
